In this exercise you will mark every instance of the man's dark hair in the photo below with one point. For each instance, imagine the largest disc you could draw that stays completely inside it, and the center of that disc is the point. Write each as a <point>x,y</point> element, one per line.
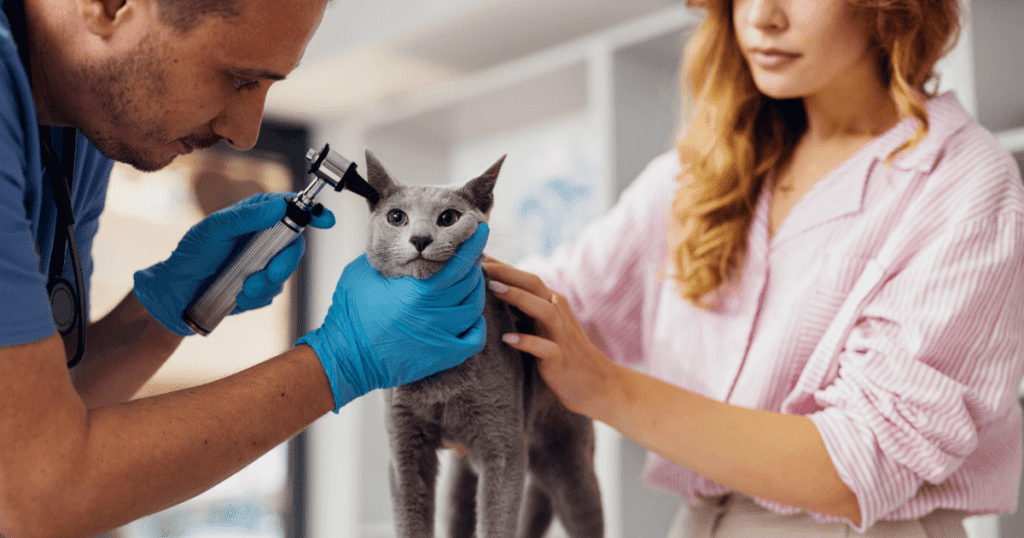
<point>184,15</point>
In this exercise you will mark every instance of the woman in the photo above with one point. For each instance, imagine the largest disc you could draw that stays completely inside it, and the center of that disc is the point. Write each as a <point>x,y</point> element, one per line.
<point>824,283</point>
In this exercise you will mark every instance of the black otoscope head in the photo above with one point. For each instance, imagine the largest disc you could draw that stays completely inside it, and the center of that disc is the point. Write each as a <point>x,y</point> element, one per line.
<point>340,173</point>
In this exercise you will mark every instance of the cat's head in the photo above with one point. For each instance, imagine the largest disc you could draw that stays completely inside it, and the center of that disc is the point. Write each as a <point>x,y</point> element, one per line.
<point>415,229</point>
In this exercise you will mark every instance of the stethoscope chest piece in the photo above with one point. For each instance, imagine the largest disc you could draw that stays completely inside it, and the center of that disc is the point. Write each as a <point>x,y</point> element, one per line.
<point>64,305</point>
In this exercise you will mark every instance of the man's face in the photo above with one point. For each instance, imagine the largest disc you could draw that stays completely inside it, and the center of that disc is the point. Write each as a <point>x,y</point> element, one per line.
<point>171,93</point>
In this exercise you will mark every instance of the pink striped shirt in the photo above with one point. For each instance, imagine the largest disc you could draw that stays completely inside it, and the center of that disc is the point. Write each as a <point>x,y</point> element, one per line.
<point>889,309</point>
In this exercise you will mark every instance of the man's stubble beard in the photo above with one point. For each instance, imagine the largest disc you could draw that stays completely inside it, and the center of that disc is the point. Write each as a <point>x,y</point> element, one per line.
<point>126,91</point>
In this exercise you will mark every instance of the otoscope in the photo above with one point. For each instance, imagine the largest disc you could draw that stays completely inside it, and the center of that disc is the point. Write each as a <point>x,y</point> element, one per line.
<point>328,168</point>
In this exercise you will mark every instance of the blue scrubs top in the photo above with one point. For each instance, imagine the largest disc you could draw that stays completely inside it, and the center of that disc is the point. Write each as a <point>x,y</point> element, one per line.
<point>27,211</point>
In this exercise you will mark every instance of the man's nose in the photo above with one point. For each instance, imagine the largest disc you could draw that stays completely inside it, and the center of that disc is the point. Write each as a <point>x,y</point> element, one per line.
<point>239,122</point>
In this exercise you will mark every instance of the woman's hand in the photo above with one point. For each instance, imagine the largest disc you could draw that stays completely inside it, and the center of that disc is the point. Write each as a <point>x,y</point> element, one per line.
<point>572,366</point>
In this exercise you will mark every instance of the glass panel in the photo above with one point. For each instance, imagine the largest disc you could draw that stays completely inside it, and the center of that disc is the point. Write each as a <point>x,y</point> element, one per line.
<point>145,216</point>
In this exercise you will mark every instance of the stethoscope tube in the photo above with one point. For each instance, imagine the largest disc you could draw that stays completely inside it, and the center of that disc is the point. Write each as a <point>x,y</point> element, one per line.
<point>66,305</point>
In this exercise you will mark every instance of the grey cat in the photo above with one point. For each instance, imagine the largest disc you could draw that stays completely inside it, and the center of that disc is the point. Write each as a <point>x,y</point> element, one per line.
<point>510,429</point>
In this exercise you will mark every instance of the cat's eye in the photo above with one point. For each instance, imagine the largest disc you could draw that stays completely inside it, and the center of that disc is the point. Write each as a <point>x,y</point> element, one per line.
<point>397,218</point>
<point>449,217</point>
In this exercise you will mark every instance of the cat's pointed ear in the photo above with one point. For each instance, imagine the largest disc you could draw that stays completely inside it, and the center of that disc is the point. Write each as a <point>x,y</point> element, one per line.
<point>480,191</point>
<point>378,177</point>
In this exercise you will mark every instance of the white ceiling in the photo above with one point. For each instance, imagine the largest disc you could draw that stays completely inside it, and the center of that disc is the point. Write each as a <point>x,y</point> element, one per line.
<point>367,50</point>
<point>503,30</point>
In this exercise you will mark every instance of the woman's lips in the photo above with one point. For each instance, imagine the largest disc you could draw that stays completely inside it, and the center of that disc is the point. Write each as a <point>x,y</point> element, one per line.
<point>772,58</point>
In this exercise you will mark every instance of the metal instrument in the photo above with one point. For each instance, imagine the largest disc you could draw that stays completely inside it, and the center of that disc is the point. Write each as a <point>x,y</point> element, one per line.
<point>218,300</point>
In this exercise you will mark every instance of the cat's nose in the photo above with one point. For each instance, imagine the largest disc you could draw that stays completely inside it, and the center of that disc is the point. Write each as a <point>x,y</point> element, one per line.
<point>421,242</point>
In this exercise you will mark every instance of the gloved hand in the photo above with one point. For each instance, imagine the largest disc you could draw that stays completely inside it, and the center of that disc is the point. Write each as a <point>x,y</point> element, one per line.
<point>167,288</point>
<point>385,332</point>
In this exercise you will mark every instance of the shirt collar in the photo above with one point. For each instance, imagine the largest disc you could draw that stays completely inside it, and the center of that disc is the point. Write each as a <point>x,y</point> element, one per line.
<point>946,117</point>
<point>839,195</point>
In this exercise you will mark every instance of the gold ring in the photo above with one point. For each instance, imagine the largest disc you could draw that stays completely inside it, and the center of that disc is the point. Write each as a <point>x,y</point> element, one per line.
<point>554,298</point>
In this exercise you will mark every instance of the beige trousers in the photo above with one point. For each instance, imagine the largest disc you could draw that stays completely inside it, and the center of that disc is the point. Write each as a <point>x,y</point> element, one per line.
<point>738,516</point>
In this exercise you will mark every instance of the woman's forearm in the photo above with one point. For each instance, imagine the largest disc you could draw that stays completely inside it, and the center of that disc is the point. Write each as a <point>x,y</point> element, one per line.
<point>773,456</point>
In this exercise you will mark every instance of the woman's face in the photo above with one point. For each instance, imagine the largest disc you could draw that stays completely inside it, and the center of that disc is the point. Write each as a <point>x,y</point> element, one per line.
<point>799,48</point>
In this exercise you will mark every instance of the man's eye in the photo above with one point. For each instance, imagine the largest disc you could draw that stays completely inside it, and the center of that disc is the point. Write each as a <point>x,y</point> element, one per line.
<point>243,84</point>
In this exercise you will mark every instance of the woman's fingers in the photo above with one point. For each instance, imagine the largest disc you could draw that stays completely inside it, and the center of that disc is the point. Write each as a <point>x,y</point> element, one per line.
<point>531,304</point>
<point>568,361</point>
<point>514,277</point>
<point>528,293</point>
<point>541,348</point>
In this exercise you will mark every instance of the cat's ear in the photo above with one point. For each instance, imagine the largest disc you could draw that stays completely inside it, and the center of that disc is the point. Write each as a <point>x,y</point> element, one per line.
<point>480,191</point>
<point>379,178</point>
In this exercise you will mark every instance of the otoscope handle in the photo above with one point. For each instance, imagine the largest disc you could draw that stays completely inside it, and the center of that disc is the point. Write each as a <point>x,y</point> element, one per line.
<point>207,311</point>
<point>329,168</point>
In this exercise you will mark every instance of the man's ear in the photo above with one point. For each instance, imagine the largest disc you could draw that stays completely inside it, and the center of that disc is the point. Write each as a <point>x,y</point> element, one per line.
<point>103,17</point>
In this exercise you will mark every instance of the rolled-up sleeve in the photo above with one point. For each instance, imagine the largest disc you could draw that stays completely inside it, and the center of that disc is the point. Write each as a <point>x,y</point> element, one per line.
<point>932,361</point>
<point>608,274</point>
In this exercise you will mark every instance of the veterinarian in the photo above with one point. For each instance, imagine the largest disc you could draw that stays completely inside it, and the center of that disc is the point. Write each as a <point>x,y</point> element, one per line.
<point>142,81</point>
<point>824,284</point>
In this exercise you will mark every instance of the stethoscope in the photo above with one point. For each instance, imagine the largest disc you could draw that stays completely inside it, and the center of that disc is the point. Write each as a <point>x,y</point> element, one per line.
<point>67,306</point>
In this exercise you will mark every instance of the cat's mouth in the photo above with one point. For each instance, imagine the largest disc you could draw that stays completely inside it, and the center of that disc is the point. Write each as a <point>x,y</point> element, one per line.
<point>420,267</point>
<point>421,258</point>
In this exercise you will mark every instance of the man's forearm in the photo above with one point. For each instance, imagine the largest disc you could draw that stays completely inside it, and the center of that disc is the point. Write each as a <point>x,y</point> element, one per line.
<point>78,473</point>
<point>125,349</point>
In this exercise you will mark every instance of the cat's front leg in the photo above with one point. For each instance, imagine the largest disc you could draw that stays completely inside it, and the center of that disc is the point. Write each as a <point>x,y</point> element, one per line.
<point>501,475</point>
<point>412,472</point>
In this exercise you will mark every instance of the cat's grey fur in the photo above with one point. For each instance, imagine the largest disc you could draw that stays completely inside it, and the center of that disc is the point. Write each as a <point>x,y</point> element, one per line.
<point>494,405</point>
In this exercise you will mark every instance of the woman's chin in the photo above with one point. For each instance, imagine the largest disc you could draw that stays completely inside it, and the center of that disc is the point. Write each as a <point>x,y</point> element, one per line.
<point>778,89</point>
<point>780,94</point>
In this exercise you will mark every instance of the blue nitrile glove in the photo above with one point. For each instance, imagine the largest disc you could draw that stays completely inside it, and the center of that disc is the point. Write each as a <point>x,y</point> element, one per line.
<point>168,287</point>
<point>385,332</point>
